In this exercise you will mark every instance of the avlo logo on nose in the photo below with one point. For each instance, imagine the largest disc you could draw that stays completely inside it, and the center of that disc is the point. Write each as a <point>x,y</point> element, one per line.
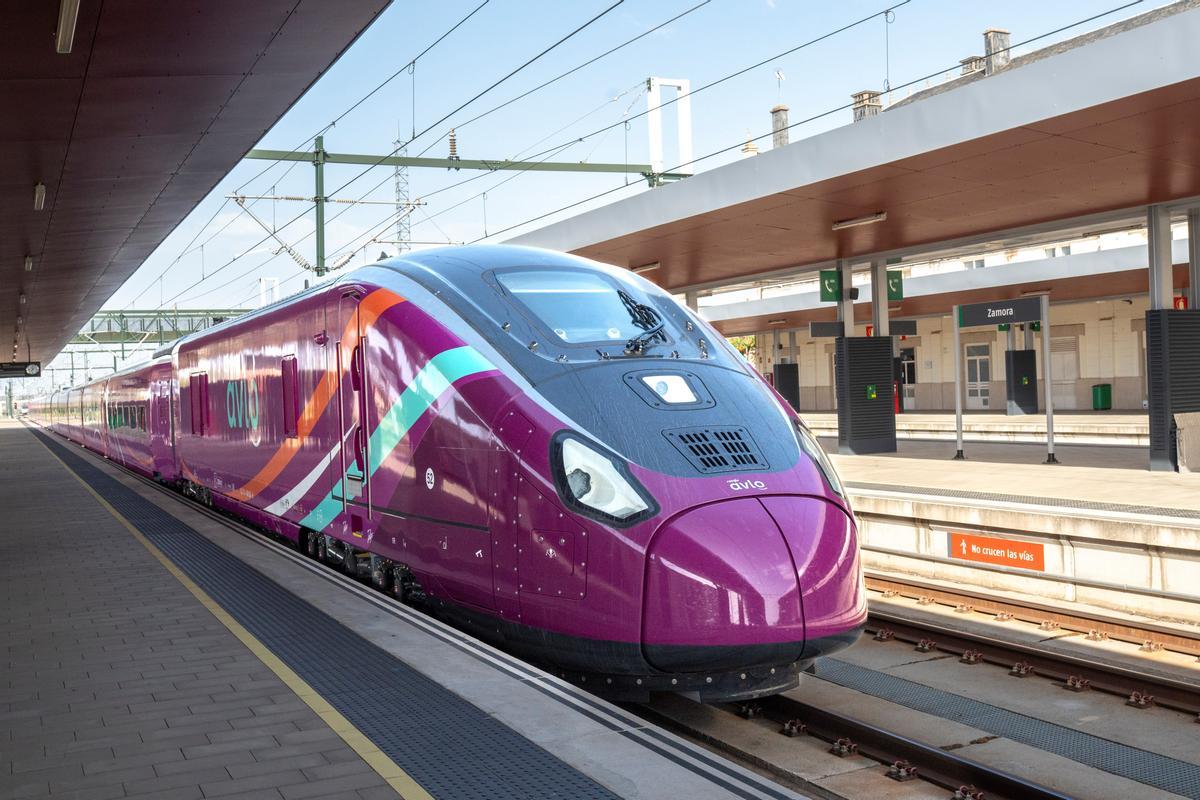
<point>738,485</point>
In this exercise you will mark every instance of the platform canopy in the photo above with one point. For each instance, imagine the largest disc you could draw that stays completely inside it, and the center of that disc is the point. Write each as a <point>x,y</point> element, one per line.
<point>1096,127</point>
<point>151,105</point>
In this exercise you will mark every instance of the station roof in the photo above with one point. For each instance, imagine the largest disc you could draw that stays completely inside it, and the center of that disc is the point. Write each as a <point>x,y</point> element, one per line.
<point>127,132</point>
<point>1107,121</point>
<point>1118,274</point>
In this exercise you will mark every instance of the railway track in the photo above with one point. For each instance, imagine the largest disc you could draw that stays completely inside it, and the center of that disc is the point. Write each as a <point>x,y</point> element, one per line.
<point>1147,634</point>
<point>1141,688</point>
<point>906,759</point>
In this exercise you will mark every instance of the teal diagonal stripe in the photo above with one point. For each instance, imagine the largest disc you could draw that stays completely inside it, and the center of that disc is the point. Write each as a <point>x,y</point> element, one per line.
<point>427,386</point>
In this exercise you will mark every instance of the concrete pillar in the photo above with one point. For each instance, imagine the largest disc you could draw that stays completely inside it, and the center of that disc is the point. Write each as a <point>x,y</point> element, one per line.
<point>779,126</point>
<point>879,297</point>
<point>1193,218</point>
<point>845,306</point>
<point>1158,251</point>
<point>692,299</point>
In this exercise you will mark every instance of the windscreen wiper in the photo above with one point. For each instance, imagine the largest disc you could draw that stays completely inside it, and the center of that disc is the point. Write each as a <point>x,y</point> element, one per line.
<point>646,318</point>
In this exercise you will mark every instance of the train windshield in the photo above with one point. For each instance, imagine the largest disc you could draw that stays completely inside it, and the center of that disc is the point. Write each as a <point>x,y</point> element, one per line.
<point>581,307</point>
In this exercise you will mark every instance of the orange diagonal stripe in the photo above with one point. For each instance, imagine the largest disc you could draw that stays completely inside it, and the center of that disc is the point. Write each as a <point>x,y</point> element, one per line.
<point>369,310</point>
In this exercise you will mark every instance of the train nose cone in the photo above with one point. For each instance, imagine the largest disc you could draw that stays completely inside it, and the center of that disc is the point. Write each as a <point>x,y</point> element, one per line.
<point>824,547</point>
<point>721,592</point>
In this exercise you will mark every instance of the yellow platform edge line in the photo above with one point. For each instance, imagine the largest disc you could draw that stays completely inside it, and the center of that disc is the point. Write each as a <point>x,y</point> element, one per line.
<point>385,767</point>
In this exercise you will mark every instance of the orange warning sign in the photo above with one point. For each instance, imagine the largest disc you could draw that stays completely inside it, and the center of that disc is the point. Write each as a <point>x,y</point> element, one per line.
<point>993,550</point>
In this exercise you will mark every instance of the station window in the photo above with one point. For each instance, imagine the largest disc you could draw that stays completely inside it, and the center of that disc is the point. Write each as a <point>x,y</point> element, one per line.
<point>291,397</point>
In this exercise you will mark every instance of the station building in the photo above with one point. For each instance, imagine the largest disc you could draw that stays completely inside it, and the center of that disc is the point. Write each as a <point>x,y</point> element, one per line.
<point>1097,330</point>
<point>1068,172</point>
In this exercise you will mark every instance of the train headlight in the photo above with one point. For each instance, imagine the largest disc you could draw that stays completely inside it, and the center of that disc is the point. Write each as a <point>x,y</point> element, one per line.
<point>812,449</point>
<point>598,485</point>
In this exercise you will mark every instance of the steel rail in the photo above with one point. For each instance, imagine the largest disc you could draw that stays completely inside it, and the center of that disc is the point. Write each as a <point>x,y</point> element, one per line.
<point>901,753</point>
<point>1145,633</point>
<point>1024,660</point>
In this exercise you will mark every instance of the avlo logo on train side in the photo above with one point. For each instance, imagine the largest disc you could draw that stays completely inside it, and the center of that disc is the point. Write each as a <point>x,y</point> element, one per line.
<point>242,407</point>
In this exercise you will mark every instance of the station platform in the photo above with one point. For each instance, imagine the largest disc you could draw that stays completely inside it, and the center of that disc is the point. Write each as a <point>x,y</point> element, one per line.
<point>1108,428</point>
<point>154,649</point>
<point>1097,529</point>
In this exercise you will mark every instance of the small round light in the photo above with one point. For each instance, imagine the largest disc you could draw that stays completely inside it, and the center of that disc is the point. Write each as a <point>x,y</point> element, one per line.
<point>579,482</point>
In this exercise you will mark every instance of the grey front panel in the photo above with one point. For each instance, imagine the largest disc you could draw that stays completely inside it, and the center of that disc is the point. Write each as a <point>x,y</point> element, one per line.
<point>1172,378</point>
<point>866,410</point>
<point>1020,369</point>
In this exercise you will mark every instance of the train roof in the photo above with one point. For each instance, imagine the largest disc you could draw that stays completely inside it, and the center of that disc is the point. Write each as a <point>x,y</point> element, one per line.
<point>129,370</point>
<point>471,259</point>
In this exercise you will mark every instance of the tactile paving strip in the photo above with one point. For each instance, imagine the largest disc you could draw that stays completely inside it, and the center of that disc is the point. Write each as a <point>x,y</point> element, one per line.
<point>449,746</point>
<point>1143,766</point>
<point>1153,511</point>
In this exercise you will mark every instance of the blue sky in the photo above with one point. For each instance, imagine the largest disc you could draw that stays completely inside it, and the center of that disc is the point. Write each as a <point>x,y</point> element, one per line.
<point>723,36</point>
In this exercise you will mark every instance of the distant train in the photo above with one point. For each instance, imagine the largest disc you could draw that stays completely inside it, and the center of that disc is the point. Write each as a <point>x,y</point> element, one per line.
<point>549,452</point>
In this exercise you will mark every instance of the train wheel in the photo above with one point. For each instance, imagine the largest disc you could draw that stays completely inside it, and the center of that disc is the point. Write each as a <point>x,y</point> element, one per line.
<point>379,573</point>
<point>349,561</point>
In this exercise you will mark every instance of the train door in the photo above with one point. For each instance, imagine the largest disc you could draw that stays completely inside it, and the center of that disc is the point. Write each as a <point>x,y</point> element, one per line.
<point>159,425</point>
<point>352,466</point>
<point>503,522</point>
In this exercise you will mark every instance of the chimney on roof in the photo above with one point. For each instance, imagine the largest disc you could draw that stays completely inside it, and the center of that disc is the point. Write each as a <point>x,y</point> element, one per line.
<point>972,64</point>
<point>779,126</point>
<point>995,47</point>
<point>749,148</point>
<point>866,104</point>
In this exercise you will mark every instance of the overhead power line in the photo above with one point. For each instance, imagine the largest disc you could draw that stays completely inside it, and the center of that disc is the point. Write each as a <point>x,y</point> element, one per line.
<point>353,106</point>
<point>495,84</point>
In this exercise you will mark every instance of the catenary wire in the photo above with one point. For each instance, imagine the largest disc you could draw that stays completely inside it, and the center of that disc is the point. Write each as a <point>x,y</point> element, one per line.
<point>335,120</point>
<point>358,175</point>
<point>188,249</point>
<point>556,148</point>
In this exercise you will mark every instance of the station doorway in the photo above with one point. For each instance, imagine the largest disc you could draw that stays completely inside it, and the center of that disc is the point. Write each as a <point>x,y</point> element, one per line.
<point>908,375</point>
<point>979,376</point>
<point>1064,370</point>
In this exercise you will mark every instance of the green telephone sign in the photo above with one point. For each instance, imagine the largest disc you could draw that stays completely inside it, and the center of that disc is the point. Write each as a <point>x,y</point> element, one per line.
<point>831,286</point>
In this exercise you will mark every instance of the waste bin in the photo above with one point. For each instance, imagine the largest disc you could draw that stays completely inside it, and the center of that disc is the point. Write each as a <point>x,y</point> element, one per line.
<point>1102,397</point>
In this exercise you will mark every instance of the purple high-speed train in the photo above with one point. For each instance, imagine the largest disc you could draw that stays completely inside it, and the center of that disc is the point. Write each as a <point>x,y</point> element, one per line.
<point>550,452</point>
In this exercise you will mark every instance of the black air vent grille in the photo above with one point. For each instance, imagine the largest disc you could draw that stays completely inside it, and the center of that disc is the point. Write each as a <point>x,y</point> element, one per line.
<point>724,448</point>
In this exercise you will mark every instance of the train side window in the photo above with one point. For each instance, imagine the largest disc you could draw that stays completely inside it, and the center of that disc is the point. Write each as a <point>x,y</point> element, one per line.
<point>198,402</point>
<point>141,417</point>
<point>291,405</point>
